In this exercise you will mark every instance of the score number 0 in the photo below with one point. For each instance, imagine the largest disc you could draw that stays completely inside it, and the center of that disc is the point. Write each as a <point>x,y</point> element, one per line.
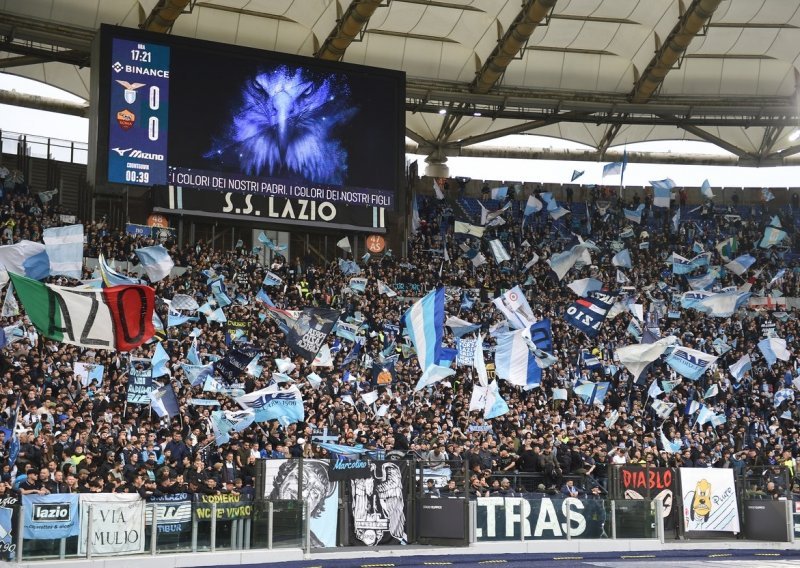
<point>152,122</point>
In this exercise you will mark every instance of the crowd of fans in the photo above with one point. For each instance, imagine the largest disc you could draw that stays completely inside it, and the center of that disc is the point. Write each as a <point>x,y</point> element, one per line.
<point>78,438</point>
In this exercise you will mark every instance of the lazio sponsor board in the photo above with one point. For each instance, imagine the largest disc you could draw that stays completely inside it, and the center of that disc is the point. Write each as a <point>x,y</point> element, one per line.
<point>50,516</point>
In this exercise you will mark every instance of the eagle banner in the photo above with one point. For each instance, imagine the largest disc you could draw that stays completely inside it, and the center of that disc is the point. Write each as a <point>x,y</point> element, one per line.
<point>378,506</point>
<point>307,328</point>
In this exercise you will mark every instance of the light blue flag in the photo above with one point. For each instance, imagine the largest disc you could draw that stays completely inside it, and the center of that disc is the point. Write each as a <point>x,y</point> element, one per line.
<point>741,264</point>
<point>774,348</point>
<point>705,190</point>
<point>155,261</point>
<point>366,257</point>
<point>705,415</point>
<point>263,238</point>
<point>6,527</point>
<point>576,174</point>
<point>669,446</point>
<point>681,265</point>
<point>262,296</point>
<point>64,246</point>
<point>27,258</point>
<point>175,319</point>
<point>743,365</point>
<point>223,422</point>
<point>703,259</point>
<point>113,278</point>
<point>532,206</point>
<point>662,192</point>
<point>217,315</point>
<point>222,299</point>
<point>341,449</point>
<point>499,193</point>
<point>690,363</point>
<point>271,279</point>
<point>432,375</point>
<point>697,247</point>
<point>358,284</point>
<point>634,215</point>
<point>622,259</point>
<point>192,356</point>
<point>499,406</point>
<point>160,362</point>
<point>612,169</point>
<point>552,204</point>
<point>272,404</point>
<point>424,323</point>
<point>773,234</point>
<point>197,374</point>
<point>703,282</point>
<point>559,394</point>
<point>348,267</point>
<point>514,362</point>
<point>781,396</point>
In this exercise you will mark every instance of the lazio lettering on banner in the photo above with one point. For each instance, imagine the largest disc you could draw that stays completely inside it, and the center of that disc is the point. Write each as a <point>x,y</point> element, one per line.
<point>587,314</point>
<point>116,318</point>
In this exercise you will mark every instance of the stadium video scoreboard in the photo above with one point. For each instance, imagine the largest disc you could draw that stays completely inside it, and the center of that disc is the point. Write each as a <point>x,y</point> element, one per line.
<point>230,132</point>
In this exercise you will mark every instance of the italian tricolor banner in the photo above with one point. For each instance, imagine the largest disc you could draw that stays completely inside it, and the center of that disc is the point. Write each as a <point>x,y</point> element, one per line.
<point>116,318</point>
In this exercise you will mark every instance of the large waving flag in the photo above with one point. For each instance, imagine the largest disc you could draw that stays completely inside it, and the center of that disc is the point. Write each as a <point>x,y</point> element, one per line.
<point>612,169</point>
<point>424,322</point>
<point>499,193</point>
<point>705,190</point>
<point>514,361</point>
<point>592,393</point>
<point>156,262</point>
<point>773,234</point>
<point>64,246</point>
<point>722,305</point>
<point>111,277</point>
<point>164,402</point>
<point>634,215</point>
<point>223,422</point>
<point>307,329</point>
<point>26,258</point>
<point>160,362</point>
<point>432,375</point>
<point>669,446</point>
<point>118,318</point>
<point>467,229</point>
<point>499,251</point>
<point>273,404</point>
<point>774,348</point>
<point>461,327</point>
<point>562,262</point>
<point>585,285</point>
<point>197,374</point>
<point>728,247</point>
<point>636,357</point>
<point>532,206</point>
<point>622,259</point>
<point>514,305</point>
<point>741,264</point>
<point>662,192</point>
<point>681,265</point>
<point>690,363</point>
<point>741,366</point>
<point>495,404</point>
<point>587,314</point>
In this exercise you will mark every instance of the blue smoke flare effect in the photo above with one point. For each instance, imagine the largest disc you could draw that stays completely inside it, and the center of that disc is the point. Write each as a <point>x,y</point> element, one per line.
<point>285,127</point>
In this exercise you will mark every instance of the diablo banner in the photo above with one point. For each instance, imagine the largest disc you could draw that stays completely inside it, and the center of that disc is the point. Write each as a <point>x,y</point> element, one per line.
<point>498,518</point>
<point>659,483</point>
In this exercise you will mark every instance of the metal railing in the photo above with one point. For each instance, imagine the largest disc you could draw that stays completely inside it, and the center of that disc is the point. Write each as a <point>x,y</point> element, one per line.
<point>44,147</point>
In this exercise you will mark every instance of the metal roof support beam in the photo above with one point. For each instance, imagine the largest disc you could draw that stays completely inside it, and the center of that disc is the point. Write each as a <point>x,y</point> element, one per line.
<point>347,28</point>
<point>725,145</point>
<point>689,25</point>
<point>36,102</point>
<point>608,139</point>
<point>163,15</point>
<point>512,42</point>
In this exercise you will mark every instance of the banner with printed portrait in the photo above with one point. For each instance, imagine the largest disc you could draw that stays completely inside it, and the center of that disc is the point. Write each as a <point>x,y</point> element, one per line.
<point>283,480</point>
<point>709,500</point>
<point>117,523</point>
<point>378,506</point>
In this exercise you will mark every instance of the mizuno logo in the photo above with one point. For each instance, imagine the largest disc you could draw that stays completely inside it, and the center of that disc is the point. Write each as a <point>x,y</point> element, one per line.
<point>139,154</point>
<point>120,151</point>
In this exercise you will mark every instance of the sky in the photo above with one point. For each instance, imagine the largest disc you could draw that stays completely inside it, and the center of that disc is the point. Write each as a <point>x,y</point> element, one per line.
<point>64,127</point>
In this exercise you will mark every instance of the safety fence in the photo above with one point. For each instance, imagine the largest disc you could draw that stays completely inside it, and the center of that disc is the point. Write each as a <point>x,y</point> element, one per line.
<point>314,504</point>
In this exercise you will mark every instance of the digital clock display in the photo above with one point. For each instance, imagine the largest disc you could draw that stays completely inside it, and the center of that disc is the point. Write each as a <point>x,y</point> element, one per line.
<point>138,113</point>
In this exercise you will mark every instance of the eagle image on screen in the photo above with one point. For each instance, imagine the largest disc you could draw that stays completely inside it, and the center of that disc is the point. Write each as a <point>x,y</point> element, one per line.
<point>286,126</point>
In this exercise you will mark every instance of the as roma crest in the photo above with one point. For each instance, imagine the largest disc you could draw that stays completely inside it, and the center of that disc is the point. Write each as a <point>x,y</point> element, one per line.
<point>126,118</point>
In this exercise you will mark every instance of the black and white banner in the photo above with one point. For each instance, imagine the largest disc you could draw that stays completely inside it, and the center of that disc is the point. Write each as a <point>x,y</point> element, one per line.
<point>498,518</point>
<point>282,210</point>
<point>117,523</point>
<point>378,506</point>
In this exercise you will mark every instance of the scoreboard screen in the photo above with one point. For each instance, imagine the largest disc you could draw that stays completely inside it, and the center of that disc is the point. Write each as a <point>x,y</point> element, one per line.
<point>221,124</point>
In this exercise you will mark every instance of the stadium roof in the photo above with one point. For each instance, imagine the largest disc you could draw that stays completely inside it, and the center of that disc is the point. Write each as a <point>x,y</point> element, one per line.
<point>597,72</point>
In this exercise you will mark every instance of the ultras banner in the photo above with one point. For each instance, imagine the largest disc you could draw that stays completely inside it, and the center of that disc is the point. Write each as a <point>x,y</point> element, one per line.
<point>498,518</point>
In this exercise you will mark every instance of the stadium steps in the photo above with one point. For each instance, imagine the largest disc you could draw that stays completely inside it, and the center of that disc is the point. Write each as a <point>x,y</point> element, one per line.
<point>72,177</point>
